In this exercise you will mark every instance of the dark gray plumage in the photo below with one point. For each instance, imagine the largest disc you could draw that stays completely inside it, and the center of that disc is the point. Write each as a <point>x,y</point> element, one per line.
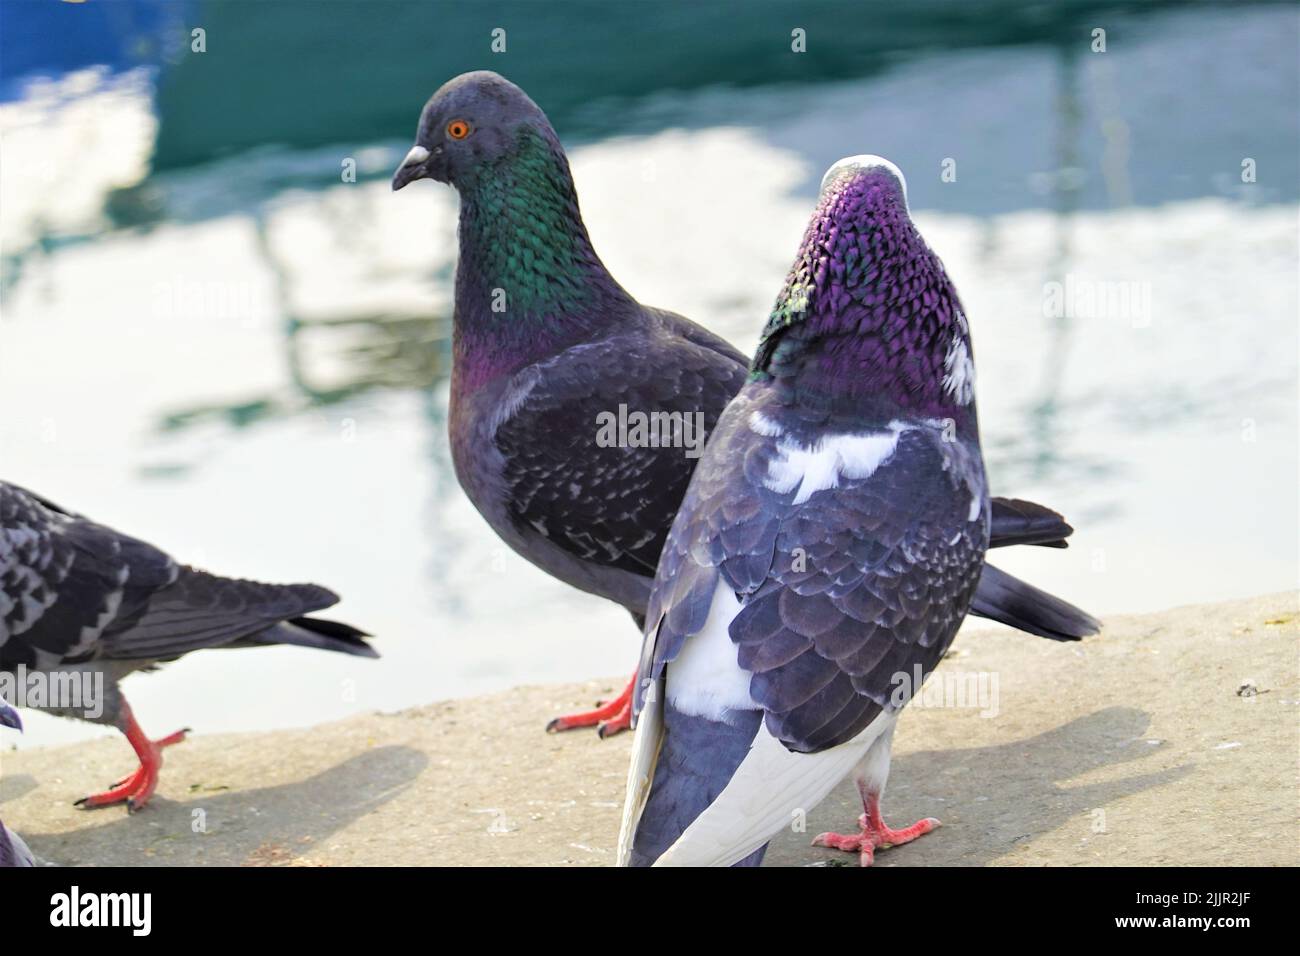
<point>81,600</point>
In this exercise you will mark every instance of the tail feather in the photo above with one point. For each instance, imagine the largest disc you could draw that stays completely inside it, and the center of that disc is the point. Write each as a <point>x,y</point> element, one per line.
<point>646,744</point>
<point>199,610</point>
<point>696,759</point>
<point>314,632</point>
<point>1008,600</point>
<point>1016,521</point>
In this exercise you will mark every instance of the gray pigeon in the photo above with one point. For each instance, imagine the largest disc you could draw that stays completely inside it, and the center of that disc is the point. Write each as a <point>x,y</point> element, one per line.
<point>546,342</point>
<point>13,851</point>
<point>84,606</point>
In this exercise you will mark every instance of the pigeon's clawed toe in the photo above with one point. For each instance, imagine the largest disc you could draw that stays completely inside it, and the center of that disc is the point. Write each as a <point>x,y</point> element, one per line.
<point>617,724</point>
<point>609,718</point>
<point>137,789</point>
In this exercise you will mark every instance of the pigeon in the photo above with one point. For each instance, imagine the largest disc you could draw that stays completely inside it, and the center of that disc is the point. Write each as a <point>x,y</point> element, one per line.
<point>82,606</point>
<point>13,851</point>
<point>546,343</point>
<point>830,544</point>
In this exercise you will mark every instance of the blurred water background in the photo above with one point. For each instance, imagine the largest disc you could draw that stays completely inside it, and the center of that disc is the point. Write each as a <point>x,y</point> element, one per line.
<point>212,341</point>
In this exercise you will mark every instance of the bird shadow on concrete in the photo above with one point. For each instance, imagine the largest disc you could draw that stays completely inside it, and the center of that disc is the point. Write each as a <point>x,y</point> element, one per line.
<point>991,798</point>
<point>13,786</point>
<point>267,827</point>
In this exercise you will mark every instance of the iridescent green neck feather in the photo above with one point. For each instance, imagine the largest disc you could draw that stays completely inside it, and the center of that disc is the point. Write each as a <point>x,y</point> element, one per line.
<point>528,282</point>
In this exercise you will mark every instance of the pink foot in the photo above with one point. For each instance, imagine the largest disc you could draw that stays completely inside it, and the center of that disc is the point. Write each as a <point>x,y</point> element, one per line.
<point>136,789</point>
<point>875,834</point>
<point>609,718</point>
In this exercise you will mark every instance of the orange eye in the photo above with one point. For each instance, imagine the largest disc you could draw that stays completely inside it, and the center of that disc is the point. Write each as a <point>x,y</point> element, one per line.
<point>458,129</point>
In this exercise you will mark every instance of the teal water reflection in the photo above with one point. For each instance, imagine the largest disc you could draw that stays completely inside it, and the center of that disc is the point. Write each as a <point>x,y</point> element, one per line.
<point>238,355</point>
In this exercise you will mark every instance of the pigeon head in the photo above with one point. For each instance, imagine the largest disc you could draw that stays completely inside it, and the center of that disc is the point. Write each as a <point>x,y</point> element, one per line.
<point>470,124</point>
<point>867,308</point>
<point>9,717</point>
<point>528,281</point>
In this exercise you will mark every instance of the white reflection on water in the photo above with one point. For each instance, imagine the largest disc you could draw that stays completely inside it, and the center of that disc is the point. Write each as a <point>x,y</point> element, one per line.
<point>1171,442</point>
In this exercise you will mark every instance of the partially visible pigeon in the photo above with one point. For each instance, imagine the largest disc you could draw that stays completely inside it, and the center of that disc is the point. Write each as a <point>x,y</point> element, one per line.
<point>829,546</point>
<point>546,342</point>
<point>13,851</point>
<point>85,604</point>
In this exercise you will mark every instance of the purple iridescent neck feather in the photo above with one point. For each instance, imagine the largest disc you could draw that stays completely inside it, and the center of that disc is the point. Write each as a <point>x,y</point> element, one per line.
<point>867,311</point>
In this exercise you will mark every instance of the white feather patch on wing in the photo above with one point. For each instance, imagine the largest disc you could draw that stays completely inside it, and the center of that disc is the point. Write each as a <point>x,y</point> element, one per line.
<point>707,679</point>
<point>760,424</point>
<point>641,771</point>
<point>816,468</point>
<point>769,787</point>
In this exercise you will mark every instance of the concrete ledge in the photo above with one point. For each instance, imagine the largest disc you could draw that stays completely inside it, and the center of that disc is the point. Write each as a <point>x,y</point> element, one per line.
<point>1132,748</point>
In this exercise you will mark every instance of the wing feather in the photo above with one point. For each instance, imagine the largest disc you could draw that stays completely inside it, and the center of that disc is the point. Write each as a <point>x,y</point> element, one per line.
<point>843,583</point>
<point>611,504</point>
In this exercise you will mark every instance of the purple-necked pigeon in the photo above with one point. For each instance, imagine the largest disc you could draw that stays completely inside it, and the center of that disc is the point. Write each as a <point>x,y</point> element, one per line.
<point>831,541</point>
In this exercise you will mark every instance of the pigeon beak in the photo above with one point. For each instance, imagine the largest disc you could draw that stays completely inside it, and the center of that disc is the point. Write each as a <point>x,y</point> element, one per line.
<point>413,167</point>
<point>9,717</point>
